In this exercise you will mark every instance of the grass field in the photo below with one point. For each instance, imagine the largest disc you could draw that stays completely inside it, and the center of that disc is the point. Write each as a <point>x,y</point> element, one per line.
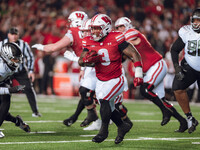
<point>48,132</point>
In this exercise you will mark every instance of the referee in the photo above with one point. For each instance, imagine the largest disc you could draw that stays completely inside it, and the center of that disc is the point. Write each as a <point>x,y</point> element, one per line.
<point>24,75</point>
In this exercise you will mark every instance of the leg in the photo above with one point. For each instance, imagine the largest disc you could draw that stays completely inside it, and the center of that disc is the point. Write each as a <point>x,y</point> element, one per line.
<point>105,112</point>
<point>123,127</point>
<point>179,87</point>
<point>183,122</point>
<point>18,122</point>
<point>146,91</point>
<point>87,96</point>
<point>69,121</point>
<point>183,100</point>
<point>123,113</point>
<point>22,78</point>
<point>4,107</point>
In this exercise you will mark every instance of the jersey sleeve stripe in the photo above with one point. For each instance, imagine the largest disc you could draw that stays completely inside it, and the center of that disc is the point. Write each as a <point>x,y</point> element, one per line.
<point>130,39</point>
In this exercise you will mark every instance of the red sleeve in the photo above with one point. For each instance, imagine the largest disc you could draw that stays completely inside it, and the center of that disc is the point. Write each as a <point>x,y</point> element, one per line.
<point>131,34</point>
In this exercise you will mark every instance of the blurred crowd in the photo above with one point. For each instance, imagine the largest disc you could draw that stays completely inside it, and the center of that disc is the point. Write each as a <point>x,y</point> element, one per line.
<point>45,21</point>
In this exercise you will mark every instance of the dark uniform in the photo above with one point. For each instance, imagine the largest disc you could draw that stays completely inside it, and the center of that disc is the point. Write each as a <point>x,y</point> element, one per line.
<point>21,74</point>
<point>10,59</point>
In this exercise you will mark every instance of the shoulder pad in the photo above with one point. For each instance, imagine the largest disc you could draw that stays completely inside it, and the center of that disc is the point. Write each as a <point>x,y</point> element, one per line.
<point>184,29</point>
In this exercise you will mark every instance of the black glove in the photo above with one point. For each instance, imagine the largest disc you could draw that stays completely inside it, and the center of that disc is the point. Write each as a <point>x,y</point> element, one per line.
<point>16,89</point>
<point>179,72</point>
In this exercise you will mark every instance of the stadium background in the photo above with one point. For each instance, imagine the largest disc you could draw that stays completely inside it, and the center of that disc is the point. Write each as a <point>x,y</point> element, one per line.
<point>45,21</point>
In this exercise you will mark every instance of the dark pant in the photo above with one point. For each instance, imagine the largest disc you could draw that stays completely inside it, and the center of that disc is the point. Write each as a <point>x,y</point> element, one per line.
<point>22,78</point>
<point>4,107</point>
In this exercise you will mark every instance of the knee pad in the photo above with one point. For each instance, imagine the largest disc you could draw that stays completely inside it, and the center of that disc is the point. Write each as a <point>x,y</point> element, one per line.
<point>86,96</point>
<point>122,109</point>
<point>146,91</point>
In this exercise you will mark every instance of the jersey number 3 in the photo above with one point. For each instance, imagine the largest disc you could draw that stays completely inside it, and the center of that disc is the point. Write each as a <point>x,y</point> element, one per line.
<point>104,53</point>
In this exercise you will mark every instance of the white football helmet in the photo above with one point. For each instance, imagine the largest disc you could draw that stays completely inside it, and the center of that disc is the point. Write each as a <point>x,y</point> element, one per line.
<point>76,18</point>
<point>123,21</point>
<point>11,54</point>
<point>86,28</point>
<point>104,22</point>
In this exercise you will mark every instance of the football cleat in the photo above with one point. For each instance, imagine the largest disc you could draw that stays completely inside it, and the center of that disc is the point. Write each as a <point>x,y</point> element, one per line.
<point>92,116</point>
<point>96,125</point>
<point>122,130</point>
<point>36,114</point>
<point>192,124</point>
<point>69,121</point>
<point>1,134</point>
<point>100,137</point>
<point>166,117</point>
<point>183,126</point>
<point>127,120</point>
<point>19,123</point>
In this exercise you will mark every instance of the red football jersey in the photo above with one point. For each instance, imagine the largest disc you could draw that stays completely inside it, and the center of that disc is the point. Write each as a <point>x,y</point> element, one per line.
<point>77,40</point>
<point>111,57</point>
<point>148,54</point>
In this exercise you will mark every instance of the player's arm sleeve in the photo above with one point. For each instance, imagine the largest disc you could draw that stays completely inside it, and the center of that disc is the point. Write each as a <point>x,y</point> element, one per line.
<point>29,56</point>
<point>70,36</point>
<point>176,48</point>
<point>123,46</point>
<point>85,50</point>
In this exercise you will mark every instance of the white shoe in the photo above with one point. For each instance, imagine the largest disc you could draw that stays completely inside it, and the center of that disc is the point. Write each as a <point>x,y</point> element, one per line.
<point>1,134</point>
<point>36,114</point>
<point>189,121</point>
<point>96,125</point>
<point>111,122</point>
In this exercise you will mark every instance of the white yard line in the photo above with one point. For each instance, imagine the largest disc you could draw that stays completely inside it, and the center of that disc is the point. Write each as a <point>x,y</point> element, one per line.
<point>78,141</point>
<point>52,121</point>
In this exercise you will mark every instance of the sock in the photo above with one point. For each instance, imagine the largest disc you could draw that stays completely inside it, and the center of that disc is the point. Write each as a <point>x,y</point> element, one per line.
<point>79,109</point>
<point>116,117</point>
<point>188,115</point>
<point>11,118</point>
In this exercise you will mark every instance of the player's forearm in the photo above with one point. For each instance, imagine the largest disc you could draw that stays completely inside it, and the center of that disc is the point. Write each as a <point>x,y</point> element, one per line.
<point>176,49</point>
<point>132,53</point>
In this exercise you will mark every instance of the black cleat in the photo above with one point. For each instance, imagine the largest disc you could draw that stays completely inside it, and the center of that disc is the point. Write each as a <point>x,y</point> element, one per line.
<point>183,126</point>
<point>192,124</point>
<point>19,123</point>
<point>122,130</point>
<point>166,117</point>
<point>127,120</point>
<point>100,138</point>
<point>69,121</point>
<point>87,121</point>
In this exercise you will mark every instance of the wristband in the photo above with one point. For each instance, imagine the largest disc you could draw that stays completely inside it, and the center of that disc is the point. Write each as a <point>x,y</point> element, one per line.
<point>138,64</point>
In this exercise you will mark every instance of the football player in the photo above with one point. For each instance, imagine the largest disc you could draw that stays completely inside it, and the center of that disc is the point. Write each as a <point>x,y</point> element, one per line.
<point>88,77</point>
<point>73,38</point>
<point>104,49</point>
<point>188,71</point>
<point>155,70</point>
<point>10,59</point>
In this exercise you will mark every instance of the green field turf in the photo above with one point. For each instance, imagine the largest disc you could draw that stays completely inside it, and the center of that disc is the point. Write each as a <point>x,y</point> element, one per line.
<point>48,132</point>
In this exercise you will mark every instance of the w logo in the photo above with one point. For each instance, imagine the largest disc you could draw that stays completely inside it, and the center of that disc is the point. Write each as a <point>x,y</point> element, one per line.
<point>79,15</point>
<point>106,20</point>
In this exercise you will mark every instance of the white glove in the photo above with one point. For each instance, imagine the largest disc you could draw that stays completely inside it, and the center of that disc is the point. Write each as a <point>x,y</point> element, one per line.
<point>71,56</point>
<point>38,46</point>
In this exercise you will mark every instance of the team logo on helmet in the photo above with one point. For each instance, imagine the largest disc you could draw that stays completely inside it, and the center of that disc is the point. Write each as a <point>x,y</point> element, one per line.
<point>76,18</point>
<point>11,54</point>
<point>104,22</point>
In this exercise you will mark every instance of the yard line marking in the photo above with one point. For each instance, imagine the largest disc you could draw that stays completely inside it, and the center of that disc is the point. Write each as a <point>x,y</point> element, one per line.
<point>78,141</point>
<point>195,142</point>
<point>52,121</point>
<point>87,135</point>
<point>43,132</point>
